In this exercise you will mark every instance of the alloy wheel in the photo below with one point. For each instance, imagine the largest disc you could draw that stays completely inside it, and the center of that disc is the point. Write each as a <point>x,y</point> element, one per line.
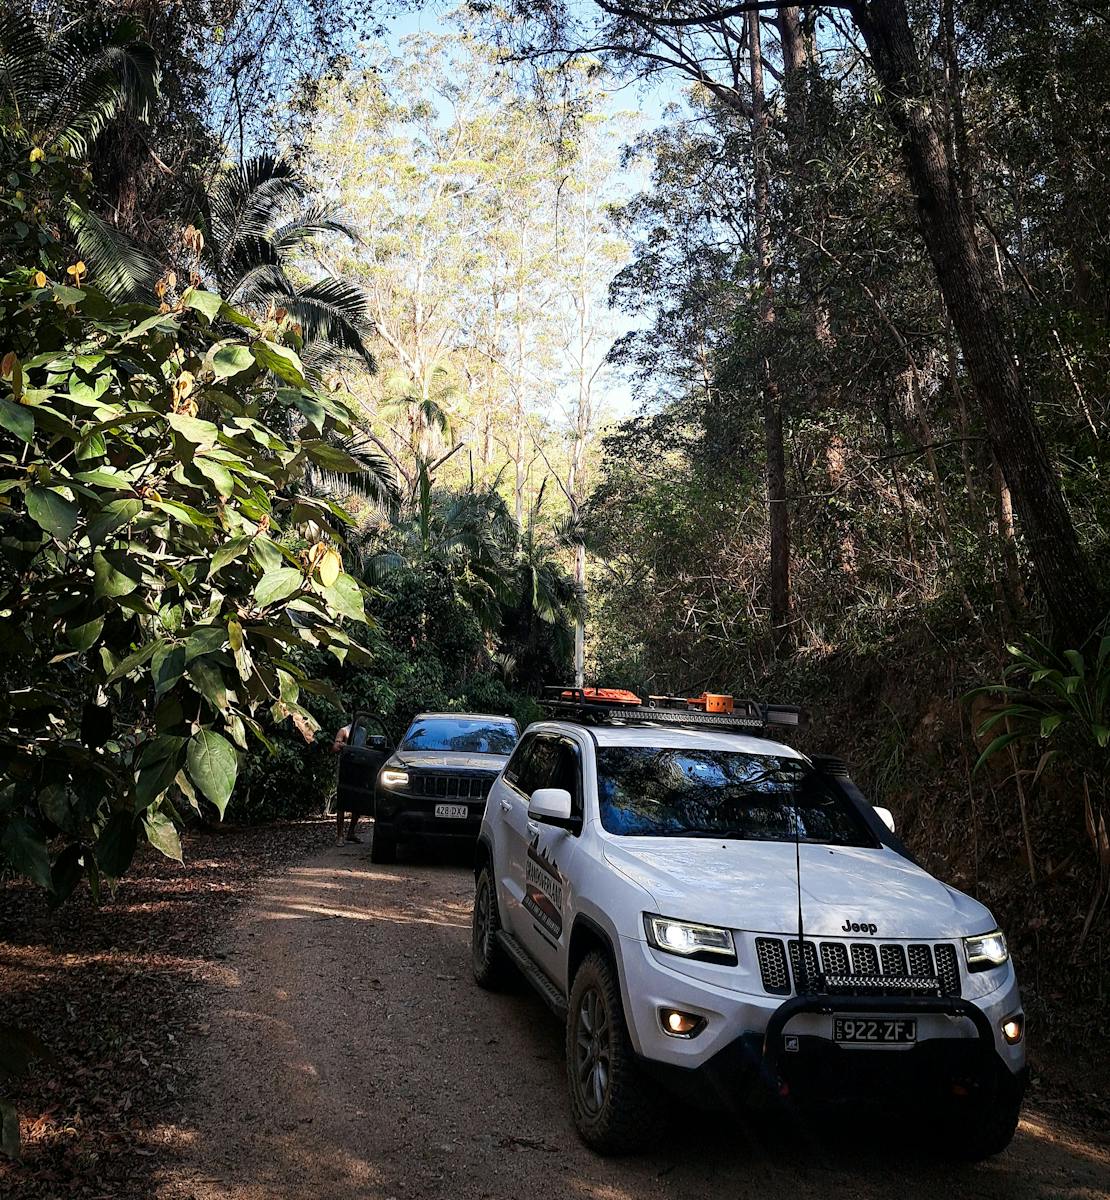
<point>592,1053</point>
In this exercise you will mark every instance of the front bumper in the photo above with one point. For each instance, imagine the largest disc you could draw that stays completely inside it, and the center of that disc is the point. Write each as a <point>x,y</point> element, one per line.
<point>413,817</point>
<point>787,1044</point>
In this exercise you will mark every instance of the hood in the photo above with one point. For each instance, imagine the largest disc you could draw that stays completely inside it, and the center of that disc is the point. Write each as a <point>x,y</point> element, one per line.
<point>449,760</point>
<point>752,886</point>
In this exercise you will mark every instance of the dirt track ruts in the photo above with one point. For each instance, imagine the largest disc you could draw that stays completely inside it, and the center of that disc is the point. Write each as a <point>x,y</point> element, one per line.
<point>349,1054</point>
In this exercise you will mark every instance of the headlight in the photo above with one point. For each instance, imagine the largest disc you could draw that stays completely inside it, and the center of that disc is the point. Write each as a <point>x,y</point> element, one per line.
<point>985,951</point>
<point>394,779</point>
<point>706,943</point>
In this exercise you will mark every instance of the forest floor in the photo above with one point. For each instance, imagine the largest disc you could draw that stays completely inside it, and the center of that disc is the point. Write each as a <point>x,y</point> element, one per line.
<point>326,1041</point>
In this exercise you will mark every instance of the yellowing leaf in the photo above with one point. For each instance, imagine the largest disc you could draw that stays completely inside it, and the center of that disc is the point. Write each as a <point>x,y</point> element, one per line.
<point>330,566</point>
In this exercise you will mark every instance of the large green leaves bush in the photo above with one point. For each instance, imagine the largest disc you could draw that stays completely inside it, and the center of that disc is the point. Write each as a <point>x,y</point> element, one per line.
<point>160,568</point>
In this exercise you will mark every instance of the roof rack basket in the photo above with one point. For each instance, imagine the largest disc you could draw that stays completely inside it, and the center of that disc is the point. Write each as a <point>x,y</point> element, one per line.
<point>601,706</point>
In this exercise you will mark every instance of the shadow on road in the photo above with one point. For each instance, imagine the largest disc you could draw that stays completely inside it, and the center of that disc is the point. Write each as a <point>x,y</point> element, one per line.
<point>352,1056</point>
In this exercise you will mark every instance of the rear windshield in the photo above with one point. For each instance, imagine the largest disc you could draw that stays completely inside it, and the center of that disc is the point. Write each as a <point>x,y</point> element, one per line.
<point>461,733</point>
<point>647,791</point>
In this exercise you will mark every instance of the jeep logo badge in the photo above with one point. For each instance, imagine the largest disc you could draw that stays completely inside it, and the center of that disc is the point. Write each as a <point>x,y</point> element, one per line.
<point>850,926</point>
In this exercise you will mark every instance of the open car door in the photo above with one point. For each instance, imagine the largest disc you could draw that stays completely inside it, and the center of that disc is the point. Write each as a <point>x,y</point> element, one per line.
<point>360,760</point>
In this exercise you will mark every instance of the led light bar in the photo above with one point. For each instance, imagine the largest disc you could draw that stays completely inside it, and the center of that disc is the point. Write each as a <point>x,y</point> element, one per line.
<point>878,984</point>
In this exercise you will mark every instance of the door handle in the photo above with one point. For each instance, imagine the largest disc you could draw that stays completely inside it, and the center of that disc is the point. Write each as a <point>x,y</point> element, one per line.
<point>533,827</point>
<point>506,805</point>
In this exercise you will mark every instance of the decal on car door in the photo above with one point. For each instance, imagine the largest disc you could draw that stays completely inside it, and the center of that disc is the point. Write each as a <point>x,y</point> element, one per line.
<point>543,892</point>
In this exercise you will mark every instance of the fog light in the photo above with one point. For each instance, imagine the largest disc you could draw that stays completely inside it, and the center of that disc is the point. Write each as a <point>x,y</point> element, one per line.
<point>1013,1028</point>
<point>681,1024</point>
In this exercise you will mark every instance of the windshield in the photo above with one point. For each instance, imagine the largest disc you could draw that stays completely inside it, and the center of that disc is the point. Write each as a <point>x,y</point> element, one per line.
<point>474,735</point>
<point>647,791</point>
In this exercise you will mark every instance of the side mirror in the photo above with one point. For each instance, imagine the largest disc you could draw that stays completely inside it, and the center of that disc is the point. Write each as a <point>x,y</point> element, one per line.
<point>886,816</point>
<point>551,806</point>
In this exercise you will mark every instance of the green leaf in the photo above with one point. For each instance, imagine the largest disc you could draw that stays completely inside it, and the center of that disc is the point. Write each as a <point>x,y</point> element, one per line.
<point>213,766</point>
<point>281,360</point>
<point>66,874</point>
<point>999,743</point>
<point>114,514</point>
<point>17,419</point>
<point>115,848</point>
<point>193,430</point>
<point>277,584</point>
<point>157,763</point>
<point>209,681</point>
<point>84,637</point>
<point>52,512</point>
<point>220,477</point>
<point>167,666</point>
<point>230,360</point>
<point>345,596</point>
<point>1102,735</point>
<point>25,849</point>
<point>162,834</point>
<point>228,552</point>
<point>102,477</point>
<point>206,303</point>
<point>114,575</point>
<point>1050,723</point>
<point>135,660</point>
<point>205,639</point>
<point>330,457</point>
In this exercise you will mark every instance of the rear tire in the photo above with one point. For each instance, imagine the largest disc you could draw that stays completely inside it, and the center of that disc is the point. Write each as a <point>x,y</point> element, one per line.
<point>616,1107</point>
<point>490,963</point>
<point>383,846</point>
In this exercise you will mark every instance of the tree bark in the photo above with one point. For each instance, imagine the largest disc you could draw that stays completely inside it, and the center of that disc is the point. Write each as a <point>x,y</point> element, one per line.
<point>1062,570</point>
<point>779,514</point>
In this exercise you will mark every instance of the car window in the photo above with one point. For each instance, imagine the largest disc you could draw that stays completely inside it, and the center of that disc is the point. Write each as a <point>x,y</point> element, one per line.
<point>474,735</point>
<point>547,761</point>
<point>517,766</point>
<point>678,792</point>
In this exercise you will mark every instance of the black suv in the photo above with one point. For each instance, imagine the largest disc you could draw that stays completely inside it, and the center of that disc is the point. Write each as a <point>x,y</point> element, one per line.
<point>434,785</point>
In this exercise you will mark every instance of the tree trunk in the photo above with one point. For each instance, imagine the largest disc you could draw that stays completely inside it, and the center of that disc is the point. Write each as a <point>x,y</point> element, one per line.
<point>779,514</point>
<point>1061,567</point>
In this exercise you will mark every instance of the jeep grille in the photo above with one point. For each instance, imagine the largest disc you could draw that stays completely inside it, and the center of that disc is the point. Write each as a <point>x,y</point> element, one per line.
<point>862,968</point>
<point>450,787</point>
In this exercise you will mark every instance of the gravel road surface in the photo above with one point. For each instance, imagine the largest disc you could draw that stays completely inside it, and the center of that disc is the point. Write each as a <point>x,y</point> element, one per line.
<point>349,1054</point>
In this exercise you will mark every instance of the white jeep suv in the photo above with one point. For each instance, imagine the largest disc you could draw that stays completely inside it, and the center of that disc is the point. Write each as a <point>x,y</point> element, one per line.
<point>650,880</point>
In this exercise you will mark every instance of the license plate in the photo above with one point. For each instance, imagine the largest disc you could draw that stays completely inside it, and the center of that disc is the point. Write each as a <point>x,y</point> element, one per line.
<point>452,810</point>
<point>882,1031</point>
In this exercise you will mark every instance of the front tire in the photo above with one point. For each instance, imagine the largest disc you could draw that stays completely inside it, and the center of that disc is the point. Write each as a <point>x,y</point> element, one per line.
<point>491,966</point>
<point>985,1126</point>
<point>383,845</point>
<point>615,1106</point>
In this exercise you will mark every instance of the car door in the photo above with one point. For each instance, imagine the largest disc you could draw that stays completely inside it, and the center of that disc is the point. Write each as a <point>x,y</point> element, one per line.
<point>360,760</point>
<point>509,808</point>
<point>546,856</point>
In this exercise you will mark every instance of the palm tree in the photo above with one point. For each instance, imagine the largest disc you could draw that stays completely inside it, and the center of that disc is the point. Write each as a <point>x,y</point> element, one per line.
<point>61,88</point>
<point>466,535</point>
<point>259,221</point>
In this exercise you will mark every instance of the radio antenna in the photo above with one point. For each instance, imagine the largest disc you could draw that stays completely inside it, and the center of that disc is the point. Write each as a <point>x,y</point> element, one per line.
<point>802,972</point>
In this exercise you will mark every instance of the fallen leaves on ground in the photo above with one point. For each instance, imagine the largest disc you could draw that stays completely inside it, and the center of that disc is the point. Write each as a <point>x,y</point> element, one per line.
<point>115,992</point>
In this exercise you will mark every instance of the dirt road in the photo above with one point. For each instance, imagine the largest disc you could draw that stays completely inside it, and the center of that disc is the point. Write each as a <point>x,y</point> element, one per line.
<point>350,1055</point>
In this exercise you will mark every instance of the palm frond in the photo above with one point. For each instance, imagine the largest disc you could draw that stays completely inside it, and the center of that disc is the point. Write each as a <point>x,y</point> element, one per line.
<point>118,265</point>
<point>336,311</point>
<point>64,90</point>
<point>320,219</point>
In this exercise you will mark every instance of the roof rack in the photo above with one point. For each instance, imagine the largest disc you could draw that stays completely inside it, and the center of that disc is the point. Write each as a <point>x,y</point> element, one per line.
<point>610,706</point>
